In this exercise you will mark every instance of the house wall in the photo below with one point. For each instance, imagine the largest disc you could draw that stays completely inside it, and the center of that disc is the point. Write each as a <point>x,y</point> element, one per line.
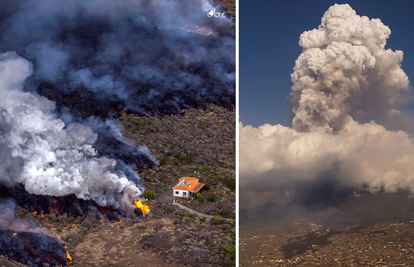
<point>180,193</point>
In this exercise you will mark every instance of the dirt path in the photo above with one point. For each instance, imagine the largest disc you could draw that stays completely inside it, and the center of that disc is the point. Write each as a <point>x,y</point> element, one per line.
<point>197,213</point>
<point>167,195</point>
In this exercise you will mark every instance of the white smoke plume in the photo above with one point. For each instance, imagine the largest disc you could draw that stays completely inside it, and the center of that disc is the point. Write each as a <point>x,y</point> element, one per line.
<point>47,156</point>
<point>346,88</point>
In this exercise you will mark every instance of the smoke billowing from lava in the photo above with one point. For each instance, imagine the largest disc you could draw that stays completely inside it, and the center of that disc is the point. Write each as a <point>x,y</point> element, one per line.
<point>47,156</point>
<point>89,60</point>
<point>125,54</point>
<point>347,129</point>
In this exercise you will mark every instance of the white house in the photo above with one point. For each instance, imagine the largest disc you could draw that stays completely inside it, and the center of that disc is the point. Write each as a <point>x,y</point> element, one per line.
<point>187,187</point>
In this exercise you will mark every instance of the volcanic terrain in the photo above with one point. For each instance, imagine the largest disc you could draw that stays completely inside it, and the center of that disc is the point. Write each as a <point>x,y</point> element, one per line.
<point>168,235</point>
<point>366,230</point>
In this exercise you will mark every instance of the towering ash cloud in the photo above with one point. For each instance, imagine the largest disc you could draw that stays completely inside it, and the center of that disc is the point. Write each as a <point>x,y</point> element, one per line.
<point>49,158</point>
<point>345,82</point>
<point>131,54</point>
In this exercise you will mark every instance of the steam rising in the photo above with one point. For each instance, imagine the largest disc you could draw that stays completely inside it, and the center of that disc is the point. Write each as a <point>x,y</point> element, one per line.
<point>130,52</point>
<point>345,83</point>
<point>49,158</point>
<point>89,59</point>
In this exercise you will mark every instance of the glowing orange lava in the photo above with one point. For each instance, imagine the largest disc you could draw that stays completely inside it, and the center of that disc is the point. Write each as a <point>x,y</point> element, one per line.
<point>68,256</point>
<point>144,207</point>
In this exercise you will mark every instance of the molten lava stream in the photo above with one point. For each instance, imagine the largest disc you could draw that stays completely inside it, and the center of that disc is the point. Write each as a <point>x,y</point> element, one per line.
<point>33,249</point>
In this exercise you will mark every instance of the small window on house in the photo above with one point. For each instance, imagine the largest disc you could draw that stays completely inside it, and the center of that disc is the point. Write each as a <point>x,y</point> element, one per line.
<point>184,193</point>
<point>176,192</point>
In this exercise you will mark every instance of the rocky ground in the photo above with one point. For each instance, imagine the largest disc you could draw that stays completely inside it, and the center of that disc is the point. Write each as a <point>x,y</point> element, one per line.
<point>200,144</point>
<point>369,230</point>
<point>168,236</point>
<point>308,244</point>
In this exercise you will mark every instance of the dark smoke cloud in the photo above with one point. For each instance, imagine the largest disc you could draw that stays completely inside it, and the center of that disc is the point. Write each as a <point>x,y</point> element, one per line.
<point>343,81</point>
<point>133,53</point>
<point>67,67</point>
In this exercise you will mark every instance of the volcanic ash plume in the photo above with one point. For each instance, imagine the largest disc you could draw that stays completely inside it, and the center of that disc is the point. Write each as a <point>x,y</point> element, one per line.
<point>345,83</point>
<point>49,158</point>
<point>344,70</point>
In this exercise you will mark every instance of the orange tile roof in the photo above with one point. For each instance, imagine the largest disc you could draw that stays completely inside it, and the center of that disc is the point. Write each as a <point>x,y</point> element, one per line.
<point>189,184</point>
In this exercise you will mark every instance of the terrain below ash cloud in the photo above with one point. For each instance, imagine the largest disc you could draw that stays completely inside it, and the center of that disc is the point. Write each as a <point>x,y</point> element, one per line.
<point>365,229</point>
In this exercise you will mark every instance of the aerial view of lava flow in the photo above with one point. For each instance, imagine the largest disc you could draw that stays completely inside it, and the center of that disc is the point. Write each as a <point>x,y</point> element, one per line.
<point>67,70</point>
<point>335,185</point>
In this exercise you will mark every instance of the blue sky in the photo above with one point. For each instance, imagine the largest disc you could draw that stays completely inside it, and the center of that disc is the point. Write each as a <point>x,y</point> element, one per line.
<point>269,35</point>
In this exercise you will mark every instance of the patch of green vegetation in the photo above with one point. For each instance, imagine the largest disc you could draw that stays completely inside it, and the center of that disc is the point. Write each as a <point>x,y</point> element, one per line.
<point>188,214</point>
<point>217,219</point>
<point>202,169</point>
<point>183,156</point>
<point>138,123</point>
<point>205,124</point>
<point>230,183</point>
<point>163,160</point>
<point>199,197</point>
<point>231,251</point>
<point>149,194</point>
<point>211,196</point>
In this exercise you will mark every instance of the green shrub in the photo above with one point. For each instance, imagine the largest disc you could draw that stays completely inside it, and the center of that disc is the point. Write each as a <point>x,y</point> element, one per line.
<point>163,160</point>
<point>205,124</point>
<point>138,123</point>
<point>199,197</point>
<point>211,196</point>
<point>149,194</point>
<point>217,219</point>
<point>231,251</point>
<point>188,214</point>
<point>183,156</point>
<point>230,183</point>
